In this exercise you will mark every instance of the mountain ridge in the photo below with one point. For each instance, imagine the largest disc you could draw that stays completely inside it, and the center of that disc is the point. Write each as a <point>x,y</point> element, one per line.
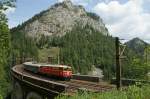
<point>137,45</point>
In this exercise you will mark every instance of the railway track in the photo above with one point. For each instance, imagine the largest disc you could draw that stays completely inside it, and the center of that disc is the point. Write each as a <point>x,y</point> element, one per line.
<point>88,86</point>
<point>72,85</point>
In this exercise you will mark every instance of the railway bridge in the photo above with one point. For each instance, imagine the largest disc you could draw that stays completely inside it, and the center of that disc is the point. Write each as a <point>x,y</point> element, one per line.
<point>27,85</point>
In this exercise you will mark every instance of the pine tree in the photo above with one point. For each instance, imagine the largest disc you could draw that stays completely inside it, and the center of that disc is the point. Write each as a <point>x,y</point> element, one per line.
<point>4,46</point>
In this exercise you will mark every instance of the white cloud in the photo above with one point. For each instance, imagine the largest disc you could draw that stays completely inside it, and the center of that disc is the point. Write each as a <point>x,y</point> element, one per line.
<point>10,10</point>
<point>126,20</point>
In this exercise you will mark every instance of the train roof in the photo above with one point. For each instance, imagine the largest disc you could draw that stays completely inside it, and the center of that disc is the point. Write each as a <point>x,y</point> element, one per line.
<point>45,64</point>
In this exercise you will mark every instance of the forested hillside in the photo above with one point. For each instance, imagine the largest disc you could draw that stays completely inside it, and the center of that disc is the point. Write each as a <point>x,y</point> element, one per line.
<point>23,46</point>
<point>84,43</point>
<point>136,65</point>
<point>137,45</point>
<point>83,47</point>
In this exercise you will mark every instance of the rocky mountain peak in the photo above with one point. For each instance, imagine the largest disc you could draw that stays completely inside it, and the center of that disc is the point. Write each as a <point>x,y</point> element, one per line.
<point>68,3</point>
<point>61,18</point>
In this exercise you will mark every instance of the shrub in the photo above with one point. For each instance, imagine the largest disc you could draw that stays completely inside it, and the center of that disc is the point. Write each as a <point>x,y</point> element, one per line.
<point>132,92</point>
<point>93,16</point>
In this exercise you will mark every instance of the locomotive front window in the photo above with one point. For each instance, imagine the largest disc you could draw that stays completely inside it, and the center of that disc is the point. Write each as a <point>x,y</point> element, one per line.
<point>68,69</point>
<point>60,68</point>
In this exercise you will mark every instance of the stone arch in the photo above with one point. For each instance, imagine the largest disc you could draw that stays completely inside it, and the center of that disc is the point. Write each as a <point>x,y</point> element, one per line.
<point>33,95</point>
<point>17,92</point>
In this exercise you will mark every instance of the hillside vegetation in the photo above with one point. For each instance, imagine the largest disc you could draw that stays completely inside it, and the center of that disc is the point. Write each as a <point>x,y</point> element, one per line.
<point>23,46</point>
<point>48,52</point>
<point>5,48</point>
<point>136,65</point>
<point>82,39</point>
<point>137,45</point>
<point>4,58</point>
<point>83,47</point>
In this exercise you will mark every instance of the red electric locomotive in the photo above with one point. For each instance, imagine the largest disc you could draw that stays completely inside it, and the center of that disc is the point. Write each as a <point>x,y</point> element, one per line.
<point>59,71</point>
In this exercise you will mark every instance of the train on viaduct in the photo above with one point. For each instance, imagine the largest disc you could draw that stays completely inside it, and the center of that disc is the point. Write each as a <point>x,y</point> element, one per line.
<point>29,85</point>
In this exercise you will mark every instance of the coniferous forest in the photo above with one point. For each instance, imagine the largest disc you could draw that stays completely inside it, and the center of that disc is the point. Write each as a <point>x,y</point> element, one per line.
<point>5,48</point>
<point>82,48</point>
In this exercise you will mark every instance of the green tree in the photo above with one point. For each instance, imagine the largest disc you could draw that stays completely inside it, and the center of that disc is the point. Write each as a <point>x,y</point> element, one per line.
<point>4,54</point>
<point>26,48</point>
<point>4,46</point>
<point>135,67</point>
<point>147,59</point>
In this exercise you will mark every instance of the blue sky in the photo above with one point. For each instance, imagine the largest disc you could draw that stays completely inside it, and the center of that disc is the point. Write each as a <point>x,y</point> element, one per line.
<point>123,18</point>
<point>25,9</point>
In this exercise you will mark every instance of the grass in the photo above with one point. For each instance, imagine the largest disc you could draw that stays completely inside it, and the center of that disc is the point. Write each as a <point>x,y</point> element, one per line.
<point>1,97</point>
<point>133,92</point>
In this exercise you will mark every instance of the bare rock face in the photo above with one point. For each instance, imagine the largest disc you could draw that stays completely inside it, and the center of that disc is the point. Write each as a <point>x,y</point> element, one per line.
<point>61,18</point>
<point>96,72</point>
